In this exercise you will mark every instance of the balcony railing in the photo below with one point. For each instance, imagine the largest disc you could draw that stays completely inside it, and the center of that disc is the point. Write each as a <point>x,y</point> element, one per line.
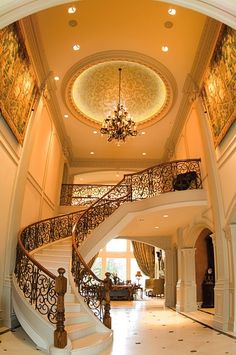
<point>145,184</point>
<point>82,194</point>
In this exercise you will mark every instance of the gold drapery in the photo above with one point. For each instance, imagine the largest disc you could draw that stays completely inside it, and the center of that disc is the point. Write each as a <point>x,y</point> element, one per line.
<point>145,256</point>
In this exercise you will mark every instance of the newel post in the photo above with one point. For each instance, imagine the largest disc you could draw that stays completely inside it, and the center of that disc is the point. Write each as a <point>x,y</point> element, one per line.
<point>108,285</point>
<point>60,334</point>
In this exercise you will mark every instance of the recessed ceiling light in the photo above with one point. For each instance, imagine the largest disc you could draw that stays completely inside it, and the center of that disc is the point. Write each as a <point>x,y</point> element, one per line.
<point>95,132</point>
<point>144,153</point>
<point>66,116</point>
<point>141,219</point>
<point>143,132</point>
<point>73,23</point>
<point>165,215</point>
<point>71,10</point>
<point>56,78</point>
<point>156,227</point>
<point>172,12</point>
<point>117,174</point>
<point>76,47</point>
<point>168,24</point>
<point>92,153</point>
<point>164,48</point>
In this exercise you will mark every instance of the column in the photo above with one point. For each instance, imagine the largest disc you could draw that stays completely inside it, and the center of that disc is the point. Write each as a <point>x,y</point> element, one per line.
<point>170,277</point>
<point>186,285</point>
<point>221,293</point>
<point>231,246</point>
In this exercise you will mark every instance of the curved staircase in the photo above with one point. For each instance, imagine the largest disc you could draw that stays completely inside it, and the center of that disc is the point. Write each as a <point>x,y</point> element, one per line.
<point>47,245</point>
<point>86,334</point>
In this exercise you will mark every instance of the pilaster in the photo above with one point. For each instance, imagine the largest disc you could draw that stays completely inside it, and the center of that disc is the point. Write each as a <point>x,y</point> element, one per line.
<point>170,277</point>
<point>186,285</point>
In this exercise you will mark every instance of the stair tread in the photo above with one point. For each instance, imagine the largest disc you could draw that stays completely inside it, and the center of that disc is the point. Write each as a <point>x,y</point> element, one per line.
<point>90,340</point>
<point>78,326</point>
<point>76,314</point>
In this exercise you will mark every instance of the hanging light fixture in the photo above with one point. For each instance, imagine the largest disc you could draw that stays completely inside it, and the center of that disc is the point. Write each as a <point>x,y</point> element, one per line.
<point>119,125</point>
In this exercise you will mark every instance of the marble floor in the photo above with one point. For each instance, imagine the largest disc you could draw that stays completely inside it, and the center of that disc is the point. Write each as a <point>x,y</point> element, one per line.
<point>146,327</point>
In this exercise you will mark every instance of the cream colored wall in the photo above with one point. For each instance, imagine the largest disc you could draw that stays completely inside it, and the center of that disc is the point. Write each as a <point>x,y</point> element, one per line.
<point>189,144</point>
<point>45,171</point>
<point>30,181</point>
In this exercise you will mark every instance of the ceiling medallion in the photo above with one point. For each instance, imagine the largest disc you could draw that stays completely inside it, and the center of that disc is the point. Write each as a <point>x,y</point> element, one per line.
<point>90,88</point>
<point>120,125</point>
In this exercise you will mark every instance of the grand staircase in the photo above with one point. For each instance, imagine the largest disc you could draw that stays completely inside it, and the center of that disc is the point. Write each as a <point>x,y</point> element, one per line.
<point>47,245</point>
<point>86,334</point>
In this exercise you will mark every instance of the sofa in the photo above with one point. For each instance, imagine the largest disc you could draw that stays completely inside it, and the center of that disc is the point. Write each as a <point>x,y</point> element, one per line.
<point>121,292</point>
<point>154,287</point>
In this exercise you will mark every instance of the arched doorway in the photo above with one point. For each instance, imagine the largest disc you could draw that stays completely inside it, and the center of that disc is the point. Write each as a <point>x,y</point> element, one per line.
<point>205,270</point>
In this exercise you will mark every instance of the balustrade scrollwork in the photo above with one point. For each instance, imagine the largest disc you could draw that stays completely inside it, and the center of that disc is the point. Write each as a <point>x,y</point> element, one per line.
<point>36,282</point>
<point>145,184</point>
<point>82,194</point>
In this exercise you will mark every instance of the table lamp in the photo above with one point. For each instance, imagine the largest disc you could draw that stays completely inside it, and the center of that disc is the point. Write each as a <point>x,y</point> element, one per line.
<point>138,277</point>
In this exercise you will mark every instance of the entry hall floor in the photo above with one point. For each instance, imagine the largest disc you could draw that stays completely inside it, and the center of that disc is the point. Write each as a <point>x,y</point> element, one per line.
<point>145,327</point>
<point>148,328</point>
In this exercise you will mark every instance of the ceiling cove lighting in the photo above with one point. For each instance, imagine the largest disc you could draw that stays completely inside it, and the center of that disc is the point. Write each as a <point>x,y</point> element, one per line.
<point>119,126</point>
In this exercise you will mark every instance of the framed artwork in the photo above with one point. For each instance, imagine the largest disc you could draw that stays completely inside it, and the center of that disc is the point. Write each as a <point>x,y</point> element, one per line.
<point>18,91</point>
<point>219,86</point>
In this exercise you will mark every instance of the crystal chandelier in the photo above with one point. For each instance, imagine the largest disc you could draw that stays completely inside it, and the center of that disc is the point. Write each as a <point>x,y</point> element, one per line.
<point>119,125</point>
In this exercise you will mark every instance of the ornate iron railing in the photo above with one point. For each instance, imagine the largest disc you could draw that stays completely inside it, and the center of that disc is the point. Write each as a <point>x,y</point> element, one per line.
<point>36,282</point>
<point>90,287</point>
<point>147,183</point>
<point>81,194</point>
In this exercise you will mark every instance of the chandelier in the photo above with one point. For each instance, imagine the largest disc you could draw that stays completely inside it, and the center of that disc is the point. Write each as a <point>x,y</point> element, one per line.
<point>119,125</point>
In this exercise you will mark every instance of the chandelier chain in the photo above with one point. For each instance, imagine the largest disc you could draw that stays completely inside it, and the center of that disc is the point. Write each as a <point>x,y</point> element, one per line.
<point>120,125</point>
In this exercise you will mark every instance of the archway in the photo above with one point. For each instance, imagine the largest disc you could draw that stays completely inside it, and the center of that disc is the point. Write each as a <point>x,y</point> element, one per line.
<point>9,12</point>
<point>205,270</point>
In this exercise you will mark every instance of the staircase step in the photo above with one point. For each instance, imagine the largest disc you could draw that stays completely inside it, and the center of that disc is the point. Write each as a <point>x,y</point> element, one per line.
<point>91,344</point>
<point>77,331</point>
<point>75,317</point>
<point>50,256</point>
<point>56,251</point>
<point>55,264</point>
<point>69,297</point>
<point>72,307</point>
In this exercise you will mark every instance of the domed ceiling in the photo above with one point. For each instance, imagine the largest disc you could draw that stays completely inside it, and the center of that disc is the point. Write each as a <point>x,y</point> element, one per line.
<point>94,92</point>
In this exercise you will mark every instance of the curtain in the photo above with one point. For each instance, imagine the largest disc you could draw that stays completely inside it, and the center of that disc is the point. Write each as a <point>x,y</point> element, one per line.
<point>145,257</point>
